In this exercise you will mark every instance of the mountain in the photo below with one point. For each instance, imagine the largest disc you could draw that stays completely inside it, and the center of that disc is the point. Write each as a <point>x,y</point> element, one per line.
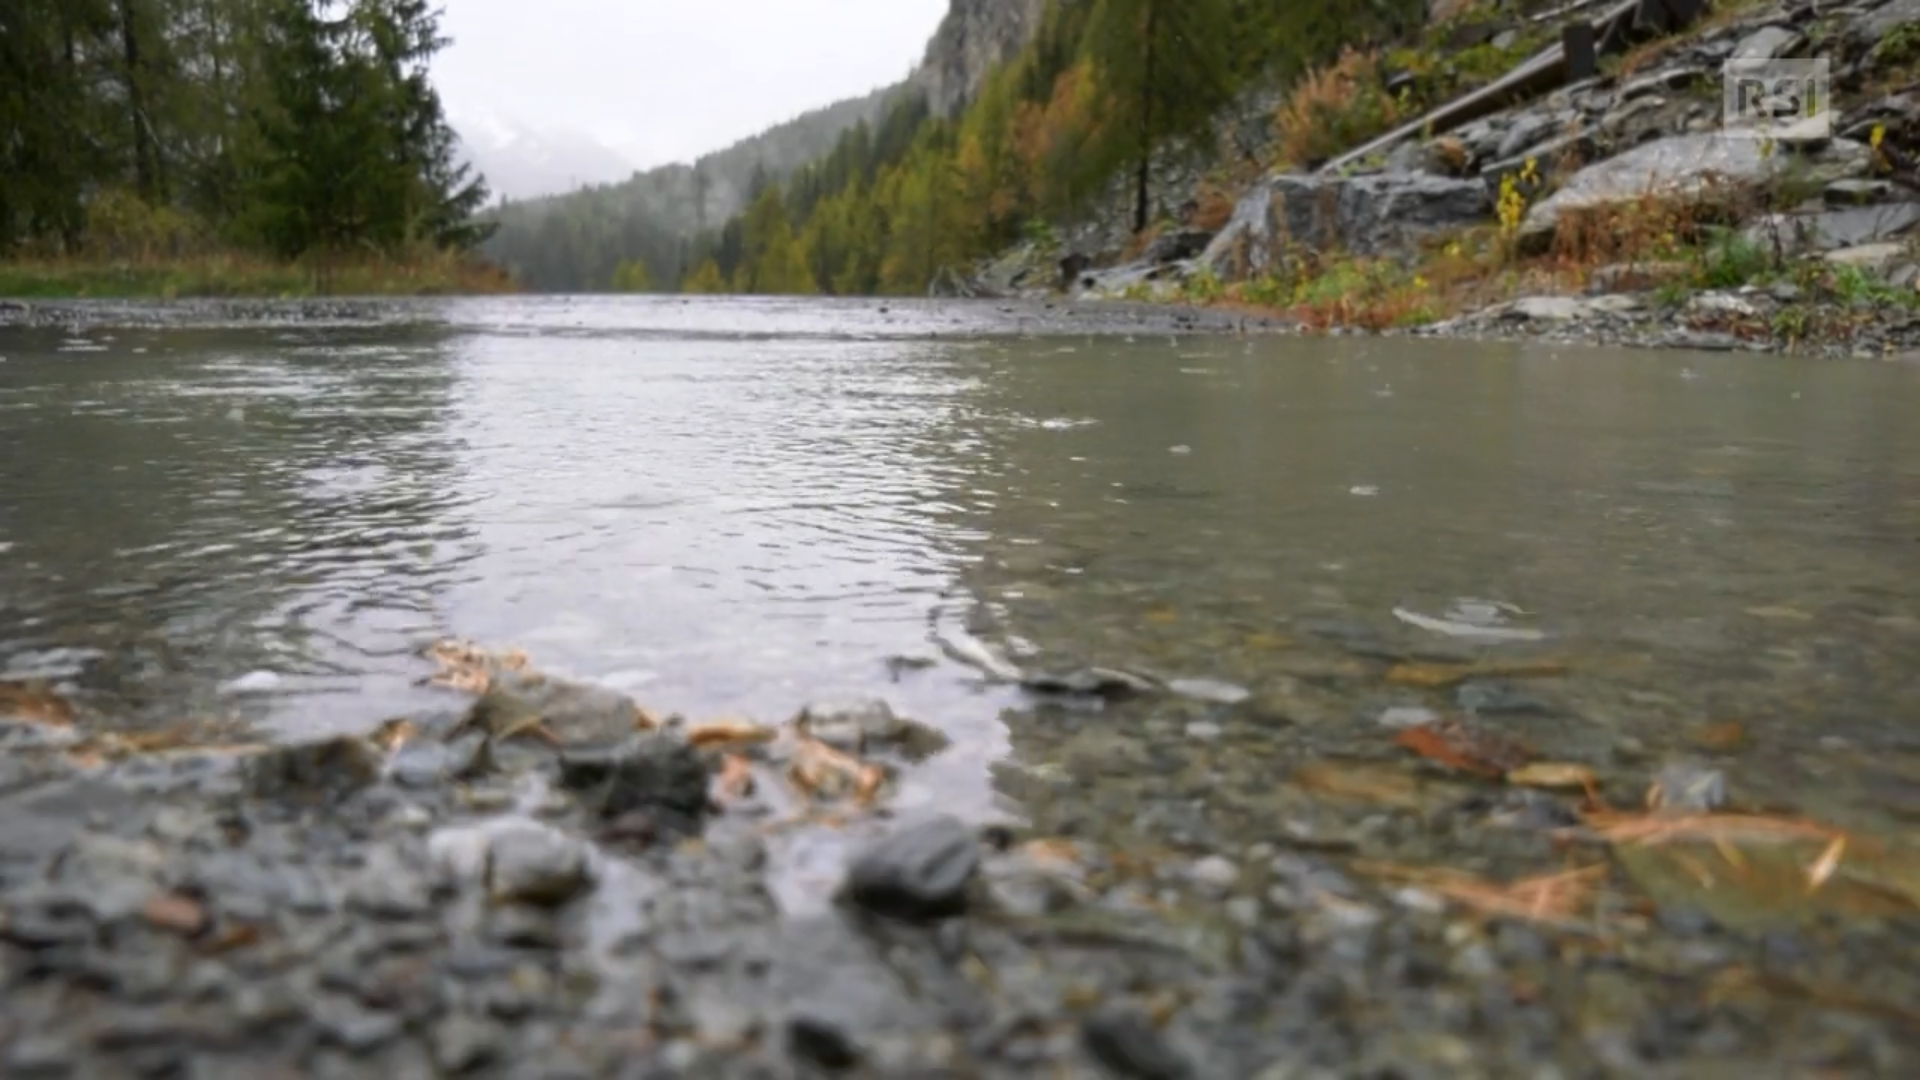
<point>524,161</point>
<point>573,242</point>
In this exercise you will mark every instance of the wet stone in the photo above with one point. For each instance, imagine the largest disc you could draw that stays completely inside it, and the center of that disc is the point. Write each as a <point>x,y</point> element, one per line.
<point>1124,1041</point>
<point>391,886</point>
<point>1684,787</point>
<point>352,1027</point>
<point>428,763</point>
<point>1105,684</point>
<point>314,772</point>
<point>821,1042</point>
<point>919,873</point>
<point>658,775</point>
<point>461,1044</point>
<point>854,725</point>
<point>531,863</point>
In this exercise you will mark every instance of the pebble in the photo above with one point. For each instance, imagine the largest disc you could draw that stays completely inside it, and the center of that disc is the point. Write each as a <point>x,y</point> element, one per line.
<point>532,863</point>
<point>1399,717</point>
<point>1216,872</point>
<point>921,872</point>
<point>1125,1041</point>
<point>1204,730</point>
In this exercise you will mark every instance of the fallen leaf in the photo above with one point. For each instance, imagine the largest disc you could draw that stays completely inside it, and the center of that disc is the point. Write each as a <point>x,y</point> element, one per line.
<point>1824,867</point>
<point>1550,898</point>
<point>1162,615</point>
<point>33,701</point>
<point>717,732</point>
<point>1383,784</point>
<point>1553,775</point>
<point>823,772</point>
<point>735,778</point>
<point>1442,676</point>
<point>1721,737</point>
<point>1456,746</point>
<point>393,734</point>
<point>182,915</point>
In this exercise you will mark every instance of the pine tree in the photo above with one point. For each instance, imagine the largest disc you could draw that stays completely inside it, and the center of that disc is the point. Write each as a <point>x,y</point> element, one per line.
<point>1167,66</point>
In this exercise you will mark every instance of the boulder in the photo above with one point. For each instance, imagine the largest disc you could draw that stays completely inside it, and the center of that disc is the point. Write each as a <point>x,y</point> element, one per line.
<point>1686,167</point>
<point>1364,215</point>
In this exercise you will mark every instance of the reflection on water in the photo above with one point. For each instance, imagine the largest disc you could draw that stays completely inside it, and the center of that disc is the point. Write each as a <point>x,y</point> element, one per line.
<point>730,507</point>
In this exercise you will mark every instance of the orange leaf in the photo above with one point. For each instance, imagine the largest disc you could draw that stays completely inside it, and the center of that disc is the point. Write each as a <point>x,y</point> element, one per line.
<point>1454,746</point>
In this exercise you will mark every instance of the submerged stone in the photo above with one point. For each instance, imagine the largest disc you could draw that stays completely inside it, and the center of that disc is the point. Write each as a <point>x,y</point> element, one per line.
<point>920,873</point>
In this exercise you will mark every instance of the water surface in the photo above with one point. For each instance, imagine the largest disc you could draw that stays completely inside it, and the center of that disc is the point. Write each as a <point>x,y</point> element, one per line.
<point>729,507</point>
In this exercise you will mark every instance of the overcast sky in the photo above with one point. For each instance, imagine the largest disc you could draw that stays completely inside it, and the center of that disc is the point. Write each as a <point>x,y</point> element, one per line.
<point>667,80</point>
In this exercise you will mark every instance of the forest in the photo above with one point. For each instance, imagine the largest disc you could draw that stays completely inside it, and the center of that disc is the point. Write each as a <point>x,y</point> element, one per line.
<point>1099,88</point>
<point>281,131</point>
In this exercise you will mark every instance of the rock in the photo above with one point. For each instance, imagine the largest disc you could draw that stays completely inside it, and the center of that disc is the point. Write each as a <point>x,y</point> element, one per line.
<point>1692,166</point>
<point>920,873</point>
<point>1877,259</point>
<point>1216,873</point>
<point>520,703</point>
<point>658,775</point>
<point>1214,691</point>
<point>1126,1042</point>
<point>855,724</point>
<point>1767,43</point>
<point>531,863</point>
<point>1176,245</point>
<point>1401,717</point>
<point>1825,230</point>
<point>426,763</point>
<point>1683,787</point>
<point>462,1044</point>
<point>1361,214</point>
<point>821,1042</point>
<point>390,887</point>
<point>314,772</point>
<point>1871,27</point>
<point>1106,683</point>
<point>1545,309</point>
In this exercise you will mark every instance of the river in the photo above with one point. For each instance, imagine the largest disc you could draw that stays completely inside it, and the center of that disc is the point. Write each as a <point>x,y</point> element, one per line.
<point>1328,551</point>
<point>731,507</point>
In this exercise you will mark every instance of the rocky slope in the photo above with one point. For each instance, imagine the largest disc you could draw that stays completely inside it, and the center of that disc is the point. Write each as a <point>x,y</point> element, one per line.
<point>1567,182</point>
<point>975,37</point>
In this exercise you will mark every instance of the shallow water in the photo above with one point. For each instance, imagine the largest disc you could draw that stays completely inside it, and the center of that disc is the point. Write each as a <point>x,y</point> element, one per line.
<point>730,507</point>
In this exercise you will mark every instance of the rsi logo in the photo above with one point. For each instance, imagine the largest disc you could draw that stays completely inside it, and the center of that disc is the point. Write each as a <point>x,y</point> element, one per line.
<point>1774,95</point>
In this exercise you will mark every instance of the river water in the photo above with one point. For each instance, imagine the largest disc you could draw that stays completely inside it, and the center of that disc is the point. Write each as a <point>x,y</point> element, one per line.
<point>731,507</point>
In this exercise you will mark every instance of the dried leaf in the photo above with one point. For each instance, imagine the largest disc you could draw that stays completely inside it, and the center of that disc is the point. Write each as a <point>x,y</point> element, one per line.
<point>735,778</point>
<point>1553,775</point>
<point>1780,612</point>
<point>1550,898</point>
<point>391,735</point>
<point>33,701</point>
<point>1455,746</point>
<point>179,914</point>
<point>719,732</point>
<point>1722,737</point>
<point>1442,676</point>
<point>1382,784</point>
<point>823,772</point>
<point>1824,867</point>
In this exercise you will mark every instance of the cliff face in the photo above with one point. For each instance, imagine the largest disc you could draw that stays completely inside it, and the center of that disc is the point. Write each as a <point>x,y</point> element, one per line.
<point>975,35</point>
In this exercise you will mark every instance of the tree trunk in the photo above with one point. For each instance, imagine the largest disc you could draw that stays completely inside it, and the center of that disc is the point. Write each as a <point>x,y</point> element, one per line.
<point>145,179</point>
<point>1144,175</point>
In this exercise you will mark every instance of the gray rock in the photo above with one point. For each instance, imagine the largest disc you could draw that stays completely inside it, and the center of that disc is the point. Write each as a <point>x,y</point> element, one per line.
<point>919,873</point>
<point>821,1042</point>
<point>314,772</point>
<point>1826,230</point>
<point>1126,1042</point>
<point>1878,259</point>
<point>1683,787</point>
<point>531,863</point>
<point>1176,245</point>
<point>1684,167</point>
<point>462,1044</point>
<point>1362,214</point>
<point>427,763</point>
<point>391,887</point>
<point>658,775</point>
<point>1767,43</point>
<point>859,723</point>
<point>1215,691</point>
<point>1106,683</point>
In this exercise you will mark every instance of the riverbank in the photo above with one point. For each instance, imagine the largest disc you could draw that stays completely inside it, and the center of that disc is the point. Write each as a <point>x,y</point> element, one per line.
<point>552,880</point>
<point>243,276</point>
